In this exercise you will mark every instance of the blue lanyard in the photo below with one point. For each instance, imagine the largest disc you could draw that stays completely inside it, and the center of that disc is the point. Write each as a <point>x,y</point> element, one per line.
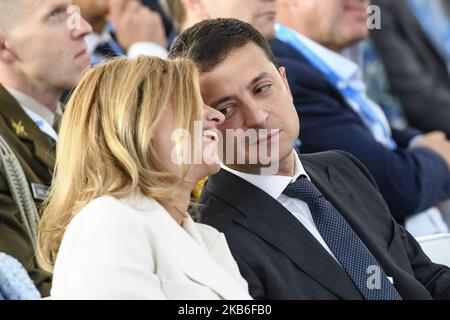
<point>289,37</point>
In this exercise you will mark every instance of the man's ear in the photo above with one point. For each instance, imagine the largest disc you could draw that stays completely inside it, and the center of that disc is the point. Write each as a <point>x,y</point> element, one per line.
<point>282,71</point>
<point>6,54</point>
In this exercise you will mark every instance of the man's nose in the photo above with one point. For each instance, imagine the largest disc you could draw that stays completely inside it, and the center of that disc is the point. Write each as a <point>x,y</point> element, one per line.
<point>255,116</point>
<point>84,29</point>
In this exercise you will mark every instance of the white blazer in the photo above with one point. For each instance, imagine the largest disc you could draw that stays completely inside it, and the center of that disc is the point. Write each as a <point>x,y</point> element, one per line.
<point>133,249</point>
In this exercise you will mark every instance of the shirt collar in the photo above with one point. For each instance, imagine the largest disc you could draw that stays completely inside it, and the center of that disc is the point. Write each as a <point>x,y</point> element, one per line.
<point>343,67</point>
<point>29,103</point>
<point>94,39</point>
<point>272,185</point>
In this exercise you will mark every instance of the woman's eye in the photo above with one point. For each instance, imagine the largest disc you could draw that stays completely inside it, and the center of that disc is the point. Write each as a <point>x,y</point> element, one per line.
<point>56,14</point>
<point>263,89</point>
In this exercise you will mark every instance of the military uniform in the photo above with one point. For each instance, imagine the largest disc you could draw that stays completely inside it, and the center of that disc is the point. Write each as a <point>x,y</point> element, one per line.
<point>36,153</point>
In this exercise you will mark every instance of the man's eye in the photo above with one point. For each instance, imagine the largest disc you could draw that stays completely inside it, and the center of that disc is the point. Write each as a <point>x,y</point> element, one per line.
<point>226,110</point>
<point>263,89</point>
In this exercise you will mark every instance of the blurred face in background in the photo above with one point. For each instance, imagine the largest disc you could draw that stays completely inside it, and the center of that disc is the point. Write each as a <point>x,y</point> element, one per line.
<point>259,13</point>
<point>42,48</point>
<point>93,9</point>
<point>336,24</point>
<point>95,12</point>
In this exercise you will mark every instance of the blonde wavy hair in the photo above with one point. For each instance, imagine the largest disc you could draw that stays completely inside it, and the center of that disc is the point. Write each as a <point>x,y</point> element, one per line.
<point>106,144</point>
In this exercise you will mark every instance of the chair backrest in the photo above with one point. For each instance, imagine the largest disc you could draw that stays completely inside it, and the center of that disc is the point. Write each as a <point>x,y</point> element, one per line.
<point>437,247</point>
<point>15,283</point>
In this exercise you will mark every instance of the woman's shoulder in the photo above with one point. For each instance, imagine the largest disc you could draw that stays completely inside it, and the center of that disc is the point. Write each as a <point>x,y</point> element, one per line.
<point>108,210</point>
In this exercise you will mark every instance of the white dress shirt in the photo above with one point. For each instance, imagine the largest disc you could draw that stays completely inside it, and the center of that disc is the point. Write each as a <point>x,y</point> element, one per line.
<point>40,114</point>
<point>274,187</point>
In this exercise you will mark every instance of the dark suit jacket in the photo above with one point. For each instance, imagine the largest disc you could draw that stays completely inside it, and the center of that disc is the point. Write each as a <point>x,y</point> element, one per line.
<point>417,72</point>
<point>411,180</point>
<point>36,153</point>
<point>280,259</point>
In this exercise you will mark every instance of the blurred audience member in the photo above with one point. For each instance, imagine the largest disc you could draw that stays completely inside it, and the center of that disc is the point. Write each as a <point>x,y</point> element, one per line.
<point>435,22</point>
<point>417,69</point>
<point>378,85</point>
<point>156,6</point>
<point>412,170</point>
<point>122,27</point>
<point>259,13</point>
<point>40,57</point>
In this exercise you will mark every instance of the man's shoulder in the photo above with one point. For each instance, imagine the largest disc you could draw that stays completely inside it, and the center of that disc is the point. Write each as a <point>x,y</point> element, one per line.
<point>342,162</point>
<point>336,158</point>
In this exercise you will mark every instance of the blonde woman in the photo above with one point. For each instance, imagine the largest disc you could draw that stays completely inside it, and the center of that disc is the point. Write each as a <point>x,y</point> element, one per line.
<point>115,225</point>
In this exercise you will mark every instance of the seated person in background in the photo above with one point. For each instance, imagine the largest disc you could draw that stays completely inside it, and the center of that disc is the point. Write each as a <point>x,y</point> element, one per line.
<point>411,170</point>
<point>39,58</point>
<point>186,13</point>
<point>116,224</point>
<point>122,27</point>
<point>154,5</point>
<point>416,68</point>
<point>316,227</point>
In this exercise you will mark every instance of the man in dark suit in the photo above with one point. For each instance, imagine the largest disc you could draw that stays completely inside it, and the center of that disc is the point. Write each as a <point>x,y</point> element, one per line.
<point>410,169</point>
<point>33,75</point>
<point>316,228</point>
<point>418,73</point>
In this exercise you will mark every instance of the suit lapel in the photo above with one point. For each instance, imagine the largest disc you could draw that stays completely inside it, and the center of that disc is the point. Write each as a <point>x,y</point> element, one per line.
<point>26,130</point>
<point>338,193</point>
<point>267,218</point>
<point>195,261</point>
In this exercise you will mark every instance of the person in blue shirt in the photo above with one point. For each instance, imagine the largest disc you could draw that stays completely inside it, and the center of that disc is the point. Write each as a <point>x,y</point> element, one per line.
<point>411,169</point>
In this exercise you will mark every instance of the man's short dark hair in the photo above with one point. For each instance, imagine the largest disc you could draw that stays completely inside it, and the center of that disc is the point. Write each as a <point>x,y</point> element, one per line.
<point>208,43</point>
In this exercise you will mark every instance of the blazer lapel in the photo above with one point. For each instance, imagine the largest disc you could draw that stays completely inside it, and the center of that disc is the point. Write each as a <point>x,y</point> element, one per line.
<point>194,259</point>
<point>26,129</point>
<point>190,252</point>
<point>267,218</point>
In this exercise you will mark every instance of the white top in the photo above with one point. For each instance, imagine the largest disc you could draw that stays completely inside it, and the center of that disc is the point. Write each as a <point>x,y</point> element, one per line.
<point>40,114</point>
<point>274,187</point>
<point>133,249</point>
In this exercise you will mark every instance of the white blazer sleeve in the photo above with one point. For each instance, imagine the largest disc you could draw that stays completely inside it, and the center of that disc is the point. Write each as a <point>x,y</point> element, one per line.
<point>106,253</point>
